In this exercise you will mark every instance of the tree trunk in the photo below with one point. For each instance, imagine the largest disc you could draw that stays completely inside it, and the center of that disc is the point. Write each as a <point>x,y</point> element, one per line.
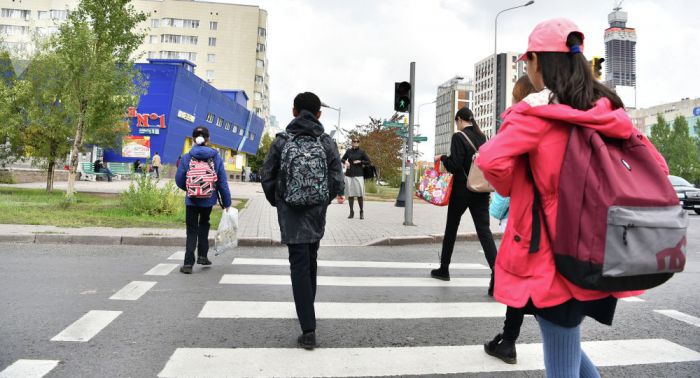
<point>49,176</point>
<point>77,144</point>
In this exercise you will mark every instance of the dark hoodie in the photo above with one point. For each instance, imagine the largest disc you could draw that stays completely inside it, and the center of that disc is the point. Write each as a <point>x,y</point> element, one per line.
<point>305,225</point>
<point>204,153</point>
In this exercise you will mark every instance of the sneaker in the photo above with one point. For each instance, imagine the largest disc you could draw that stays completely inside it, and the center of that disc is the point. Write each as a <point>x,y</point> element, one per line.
<point>203,260</point>
<point>502,349</point>
<point>440,274</point>
<point>187,269</point>
<point>307,341</point>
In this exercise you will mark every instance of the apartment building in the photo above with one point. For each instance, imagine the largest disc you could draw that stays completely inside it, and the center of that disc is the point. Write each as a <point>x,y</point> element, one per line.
<point>494,80</point>
<point>226,42</point>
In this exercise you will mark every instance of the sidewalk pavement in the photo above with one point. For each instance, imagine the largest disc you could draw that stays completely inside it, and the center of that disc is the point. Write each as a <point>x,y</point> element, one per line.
<point>383,223</point>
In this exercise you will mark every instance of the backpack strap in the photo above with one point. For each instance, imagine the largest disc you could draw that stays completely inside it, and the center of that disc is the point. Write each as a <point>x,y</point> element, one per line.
<point>536,234</point>
<point>468,140</point>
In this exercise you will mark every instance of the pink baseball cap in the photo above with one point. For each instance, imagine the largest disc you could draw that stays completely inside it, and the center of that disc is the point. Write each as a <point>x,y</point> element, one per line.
<point>550,36</point>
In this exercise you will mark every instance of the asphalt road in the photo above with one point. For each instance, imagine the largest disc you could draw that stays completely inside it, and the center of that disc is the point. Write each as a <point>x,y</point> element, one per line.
<point>46,288</point>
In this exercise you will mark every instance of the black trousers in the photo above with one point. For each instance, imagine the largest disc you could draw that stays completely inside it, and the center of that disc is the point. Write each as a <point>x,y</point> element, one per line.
<point>302,263</point>
<point>512,324</point>
<point>156,170</point>
<point>197,219</point>
<point>478,205</point>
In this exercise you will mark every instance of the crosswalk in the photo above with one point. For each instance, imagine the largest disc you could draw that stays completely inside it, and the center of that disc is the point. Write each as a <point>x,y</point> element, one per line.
<point>336,361</point>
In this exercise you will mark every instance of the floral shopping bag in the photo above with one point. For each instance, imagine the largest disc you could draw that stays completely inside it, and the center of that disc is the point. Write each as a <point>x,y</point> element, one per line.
<point>435,186</point>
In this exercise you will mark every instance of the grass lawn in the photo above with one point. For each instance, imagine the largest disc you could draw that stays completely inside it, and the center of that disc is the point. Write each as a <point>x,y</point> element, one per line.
<point>35,206</point>
<point>384,193</point>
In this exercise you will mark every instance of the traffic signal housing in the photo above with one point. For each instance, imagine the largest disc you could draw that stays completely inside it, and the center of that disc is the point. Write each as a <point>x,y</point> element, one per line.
<point>597,67</point>
<point>402,96</point>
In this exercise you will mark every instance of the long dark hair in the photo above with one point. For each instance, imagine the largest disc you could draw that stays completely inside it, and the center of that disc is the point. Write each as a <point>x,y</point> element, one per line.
<point>569,77</point>
<point>466,115</point>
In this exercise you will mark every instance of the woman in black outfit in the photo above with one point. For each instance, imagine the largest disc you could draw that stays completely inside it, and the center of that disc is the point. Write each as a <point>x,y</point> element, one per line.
<point>354,159</point>
<point>461,199</point>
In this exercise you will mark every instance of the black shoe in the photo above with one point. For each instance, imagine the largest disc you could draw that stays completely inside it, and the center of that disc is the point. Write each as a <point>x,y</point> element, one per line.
<point>503,349</point>
<point>307,341</point>
<point>187,269</point>
<point>203,260</point>
<point>362,215</point>
<point>352,215</point>
<point>440,274</point>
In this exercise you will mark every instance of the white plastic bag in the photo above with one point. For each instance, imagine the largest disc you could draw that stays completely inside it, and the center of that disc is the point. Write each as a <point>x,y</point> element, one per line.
<point>227,234</point>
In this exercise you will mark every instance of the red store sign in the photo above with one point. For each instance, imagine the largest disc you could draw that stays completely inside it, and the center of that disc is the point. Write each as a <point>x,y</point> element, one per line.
<point>142,120</point>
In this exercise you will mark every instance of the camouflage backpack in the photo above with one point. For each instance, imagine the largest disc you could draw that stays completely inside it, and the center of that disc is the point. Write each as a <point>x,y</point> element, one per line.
<point>304,171</point>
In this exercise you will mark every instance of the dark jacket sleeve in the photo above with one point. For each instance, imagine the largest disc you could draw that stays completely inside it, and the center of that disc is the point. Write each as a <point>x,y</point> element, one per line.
<point>455,162</point>
<point>181,174</point>
<point>345,156</point>
<point>336,182</point>
<point>365,158</point>
<point>222,182</point>
<point>270,171</point>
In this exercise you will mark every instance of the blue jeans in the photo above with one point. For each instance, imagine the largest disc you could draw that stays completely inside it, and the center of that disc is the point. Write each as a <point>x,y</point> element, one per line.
<point>108,172</point>
<point>563,357</point>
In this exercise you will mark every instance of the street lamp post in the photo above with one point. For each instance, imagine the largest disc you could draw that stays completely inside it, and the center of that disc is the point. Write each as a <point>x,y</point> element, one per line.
<point>495,60</point>
<point>339,110</point>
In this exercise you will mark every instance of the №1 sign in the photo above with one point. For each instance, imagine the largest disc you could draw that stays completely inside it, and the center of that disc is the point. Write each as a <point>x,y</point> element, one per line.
<point>143,120</point>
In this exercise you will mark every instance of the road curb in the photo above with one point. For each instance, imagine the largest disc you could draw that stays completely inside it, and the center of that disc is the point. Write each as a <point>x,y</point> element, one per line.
<point>424,239</point>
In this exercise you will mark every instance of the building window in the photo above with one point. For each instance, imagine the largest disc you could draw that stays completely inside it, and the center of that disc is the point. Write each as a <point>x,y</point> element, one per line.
<point>252,136</point>
<point>210,74</point>
<point>260,48</point>
<point>258,96</point>
<point>259,79</point>
<point>47,31</point>
<point>179,39</point>
<point>235,128</point>
<point>153,39</point>
<point>153,55</point>
<point>213,25</point>
<point>219,122</point>
<point>241,131</point>
<point>260,63</point>
<point>155,23</point>
<point>210,117</point>
<point>211,58</point>
<point>22,14</point>
<point>191,56</point>
<point>212,41</point>
<point>227,125</point>
<point>181,23</point>
<point>262,32</point>
<point>59,14</point>
<point>43,15</point>
<point>14,30</point>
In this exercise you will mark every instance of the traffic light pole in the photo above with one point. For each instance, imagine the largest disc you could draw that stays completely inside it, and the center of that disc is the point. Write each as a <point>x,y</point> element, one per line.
<point>410,182</point>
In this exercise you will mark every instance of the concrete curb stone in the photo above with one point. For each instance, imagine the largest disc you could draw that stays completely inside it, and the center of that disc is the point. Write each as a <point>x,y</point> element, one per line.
<point>17,238</point>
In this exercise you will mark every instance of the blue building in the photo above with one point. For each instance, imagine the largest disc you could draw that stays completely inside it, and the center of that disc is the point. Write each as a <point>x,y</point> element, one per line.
<point>175,103</point>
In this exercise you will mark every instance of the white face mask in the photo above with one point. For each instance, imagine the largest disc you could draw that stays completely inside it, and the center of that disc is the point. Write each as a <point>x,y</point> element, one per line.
<point>199,140</point>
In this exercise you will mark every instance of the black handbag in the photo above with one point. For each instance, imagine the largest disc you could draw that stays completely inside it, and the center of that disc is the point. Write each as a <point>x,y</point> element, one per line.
<point>369,172</point>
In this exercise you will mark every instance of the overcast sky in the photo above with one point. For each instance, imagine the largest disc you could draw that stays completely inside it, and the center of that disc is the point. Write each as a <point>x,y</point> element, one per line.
<point>350,52</point>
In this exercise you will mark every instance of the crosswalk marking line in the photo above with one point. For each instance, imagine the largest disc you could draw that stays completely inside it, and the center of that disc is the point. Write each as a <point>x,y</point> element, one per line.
<point>633,299</point>
<point>87,326</point>
<point>260,279</point>
<point>400,361</point>
<point>359,264</point>
<point>179,255</point>
<point>133,290</point>
<point>335,310</point>
<point>29,368</point>
<point>161,270</point>
<point>692,320</point>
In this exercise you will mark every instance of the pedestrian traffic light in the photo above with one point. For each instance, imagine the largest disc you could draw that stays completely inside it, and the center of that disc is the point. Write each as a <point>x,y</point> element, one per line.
<point>402,96</point>
<point>597,67</point>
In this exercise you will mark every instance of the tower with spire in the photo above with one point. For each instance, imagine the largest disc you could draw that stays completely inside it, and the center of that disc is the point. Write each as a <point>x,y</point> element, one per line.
<point>620,50</point>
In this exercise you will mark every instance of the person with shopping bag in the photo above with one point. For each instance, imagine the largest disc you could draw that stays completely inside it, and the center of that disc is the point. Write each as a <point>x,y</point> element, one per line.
<point>462,198</point>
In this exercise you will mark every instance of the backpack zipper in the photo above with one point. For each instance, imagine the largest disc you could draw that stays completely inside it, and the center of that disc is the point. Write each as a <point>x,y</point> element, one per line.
<point>624,233</point>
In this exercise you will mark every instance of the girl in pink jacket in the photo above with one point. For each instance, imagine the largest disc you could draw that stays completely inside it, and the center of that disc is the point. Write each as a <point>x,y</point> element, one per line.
<point>535,134</point>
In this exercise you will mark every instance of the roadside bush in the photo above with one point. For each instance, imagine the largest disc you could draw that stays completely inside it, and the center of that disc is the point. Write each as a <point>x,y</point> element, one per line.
<point>144,197</point>
<point>371,187</point>
<point>394,181</point>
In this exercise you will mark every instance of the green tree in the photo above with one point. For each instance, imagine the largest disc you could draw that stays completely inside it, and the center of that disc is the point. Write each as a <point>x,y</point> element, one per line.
<point>95,47</point>
<point>660,136</point>
<point>256,161</point>
<point>9,111</point>
<point>46,126</point>
<point>382,145</point>
<point>682,156</point>
<point>697,135</point>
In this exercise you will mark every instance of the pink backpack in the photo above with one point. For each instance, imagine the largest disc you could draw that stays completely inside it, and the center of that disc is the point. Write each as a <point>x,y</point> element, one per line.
<point>619,223</point>
<point>201,178</point>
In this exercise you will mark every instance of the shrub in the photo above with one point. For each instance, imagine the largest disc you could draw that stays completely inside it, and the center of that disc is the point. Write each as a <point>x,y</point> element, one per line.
<point>371,186</point>
<point>394,181</point>
<point>144,197</point>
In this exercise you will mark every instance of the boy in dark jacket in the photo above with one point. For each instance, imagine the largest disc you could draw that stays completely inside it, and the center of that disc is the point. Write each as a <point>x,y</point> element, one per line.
<point>302,227</point>
<point>198,210</point>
